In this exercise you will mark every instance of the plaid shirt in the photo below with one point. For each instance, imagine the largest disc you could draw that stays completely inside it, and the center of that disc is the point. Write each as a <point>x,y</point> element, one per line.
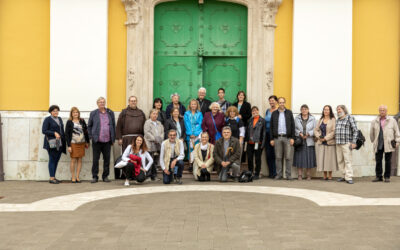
<point>346,130</point>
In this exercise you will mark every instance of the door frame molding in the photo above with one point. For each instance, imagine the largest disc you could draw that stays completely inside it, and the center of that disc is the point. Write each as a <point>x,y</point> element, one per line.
<point>260,41</point>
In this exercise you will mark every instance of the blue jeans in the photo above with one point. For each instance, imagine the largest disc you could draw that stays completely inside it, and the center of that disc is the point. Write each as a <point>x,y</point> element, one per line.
<point>54,157</point>
<point>270,154</point>
<point>168,178</point>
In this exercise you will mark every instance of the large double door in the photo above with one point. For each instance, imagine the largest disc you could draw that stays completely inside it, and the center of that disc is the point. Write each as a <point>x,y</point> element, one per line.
<point>199,45</point>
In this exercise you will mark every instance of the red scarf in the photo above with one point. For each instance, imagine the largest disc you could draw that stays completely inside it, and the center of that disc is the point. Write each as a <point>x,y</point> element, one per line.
<point>137,162</point>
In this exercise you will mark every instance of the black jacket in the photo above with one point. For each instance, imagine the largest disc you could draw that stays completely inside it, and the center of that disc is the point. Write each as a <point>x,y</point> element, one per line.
<point>257,133</point>
<point>245,111</point>
<point>48,128</point>
<point>204,105</point>
<point>69,128</point>
<point>290,126</point>
<point>162,117</point>
<point>170,124</point>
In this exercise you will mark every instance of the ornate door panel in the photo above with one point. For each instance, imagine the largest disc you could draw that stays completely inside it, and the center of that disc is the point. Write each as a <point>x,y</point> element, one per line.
<point>188,37</point>
<point>227,72</point>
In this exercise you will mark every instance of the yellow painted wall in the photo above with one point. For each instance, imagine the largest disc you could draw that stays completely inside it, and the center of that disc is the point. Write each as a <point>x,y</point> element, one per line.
<point>283,51</point>
<point>24,54</point>
<point>376,53</point>
<point>116,89</point>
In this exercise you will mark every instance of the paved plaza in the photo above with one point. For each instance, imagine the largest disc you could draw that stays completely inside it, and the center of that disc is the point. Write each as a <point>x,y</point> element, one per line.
<point>265,214</point>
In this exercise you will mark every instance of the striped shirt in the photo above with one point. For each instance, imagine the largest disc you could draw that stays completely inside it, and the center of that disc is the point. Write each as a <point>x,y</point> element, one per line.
<point>346,130</point>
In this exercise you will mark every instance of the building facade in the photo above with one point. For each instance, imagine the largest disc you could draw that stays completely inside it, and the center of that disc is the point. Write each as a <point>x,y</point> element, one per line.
<point>71,52</point>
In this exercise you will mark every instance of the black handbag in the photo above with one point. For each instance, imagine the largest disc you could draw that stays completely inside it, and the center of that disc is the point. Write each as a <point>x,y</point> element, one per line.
<point>298,142</point>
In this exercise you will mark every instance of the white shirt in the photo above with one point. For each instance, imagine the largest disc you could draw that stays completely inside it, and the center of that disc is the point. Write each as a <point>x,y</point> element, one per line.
<point>145,156</point>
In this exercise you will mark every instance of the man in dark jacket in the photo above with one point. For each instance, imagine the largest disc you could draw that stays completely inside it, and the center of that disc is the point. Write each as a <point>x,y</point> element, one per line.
<point>203,102</point>
<point>227,155</point>
<point>282,133</point>
<point>101,129</point>
<point>130,123</point>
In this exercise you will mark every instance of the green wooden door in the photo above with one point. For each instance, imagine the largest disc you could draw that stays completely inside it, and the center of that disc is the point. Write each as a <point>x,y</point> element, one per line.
<point>199,45</point>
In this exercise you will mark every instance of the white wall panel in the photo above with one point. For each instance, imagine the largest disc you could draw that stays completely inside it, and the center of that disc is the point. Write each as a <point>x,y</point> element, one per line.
<point>78,52</point>
<point>322,53</point>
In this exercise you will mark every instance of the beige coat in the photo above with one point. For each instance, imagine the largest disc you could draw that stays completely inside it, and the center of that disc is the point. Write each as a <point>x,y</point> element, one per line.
<point>390,132</point>
<point>199,161</point>
<point>153,135</point>
<point>330,132</point>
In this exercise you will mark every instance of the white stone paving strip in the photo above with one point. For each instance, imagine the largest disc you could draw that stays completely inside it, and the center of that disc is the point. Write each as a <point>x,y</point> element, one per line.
<point>73,201</point>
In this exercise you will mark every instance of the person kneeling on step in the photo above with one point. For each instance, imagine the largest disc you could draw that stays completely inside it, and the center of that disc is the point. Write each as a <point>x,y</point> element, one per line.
<point>171,156</point>
<point>227,155</point>
<point>203,159</point>
<point>138,160</point>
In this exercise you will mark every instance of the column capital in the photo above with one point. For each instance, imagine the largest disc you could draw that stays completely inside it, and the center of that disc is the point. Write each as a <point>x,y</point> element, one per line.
<point>133,11</point>
<point>269,11</point>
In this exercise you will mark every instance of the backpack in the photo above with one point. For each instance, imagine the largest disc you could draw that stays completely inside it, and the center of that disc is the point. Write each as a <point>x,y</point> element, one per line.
<point>246,176</point>
<point>360,140</point>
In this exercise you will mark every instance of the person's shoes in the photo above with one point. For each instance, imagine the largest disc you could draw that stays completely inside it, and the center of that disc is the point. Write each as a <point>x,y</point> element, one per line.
<point>299,177</point>
<point>106,179</point>
<point>289,178</point>
<point>58,180</point>
<point>377,179</point>
<point>126,183</point>
<point>341,180</point>
<point>147,180</point>
<point>54,181</point>
<point>155,179</point>
<point>78,180</point>
<point>94,180</point>
<point>179,181</point>
<point>73,181</point>
<point>308,178</point>
<point>256,177</point>
<point>191,169</point>
<point>278,178</point>
<point>175,178</point>
<point>350,182</point>
<point>387,180</point>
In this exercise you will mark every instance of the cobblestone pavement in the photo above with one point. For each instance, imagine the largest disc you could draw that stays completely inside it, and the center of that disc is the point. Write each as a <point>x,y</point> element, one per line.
<point>202,220</point>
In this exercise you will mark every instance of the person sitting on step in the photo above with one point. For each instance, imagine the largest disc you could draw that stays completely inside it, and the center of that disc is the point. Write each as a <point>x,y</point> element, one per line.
<point>171,156</point>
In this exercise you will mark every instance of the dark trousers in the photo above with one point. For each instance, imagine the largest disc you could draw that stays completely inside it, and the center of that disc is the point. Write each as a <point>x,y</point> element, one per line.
<point>153,169</point>
<point>105,149</point>
<point>129,170</point>
<point>251,152</point>
<point>54,157</point>
<point>168,178</point>
<point>204,175</point>
<point>270,155</point>
<point>379,158</point>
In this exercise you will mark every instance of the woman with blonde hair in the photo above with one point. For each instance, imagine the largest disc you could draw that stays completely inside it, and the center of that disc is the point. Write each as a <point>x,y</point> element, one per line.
<point>193,119</point>
<point>77,137</point>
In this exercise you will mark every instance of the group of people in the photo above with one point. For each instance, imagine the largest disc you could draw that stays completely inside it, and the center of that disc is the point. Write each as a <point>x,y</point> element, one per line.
<point>215,136</point>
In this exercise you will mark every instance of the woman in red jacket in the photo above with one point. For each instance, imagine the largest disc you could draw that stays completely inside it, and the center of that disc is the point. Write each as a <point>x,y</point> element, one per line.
<point>213,122</point>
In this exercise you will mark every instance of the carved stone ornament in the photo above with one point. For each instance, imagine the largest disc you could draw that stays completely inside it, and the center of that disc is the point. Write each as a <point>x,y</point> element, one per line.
<point>269,12</point>
<point>131,79</point>
<point>269,79</point>
<point>133,12</point>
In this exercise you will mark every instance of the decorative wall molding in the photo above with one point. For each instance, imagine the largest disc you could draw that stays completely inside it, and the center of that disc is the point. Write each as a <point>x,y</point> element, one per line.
<point>260,41</point>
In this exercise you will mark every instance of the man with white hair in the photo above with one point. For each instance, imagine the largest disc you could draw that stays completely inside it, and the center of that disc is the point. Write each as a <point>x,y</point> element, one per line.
<point>346,137</point>
<point>101,129</point>
<point>203,102</point>
<point>384,135</point>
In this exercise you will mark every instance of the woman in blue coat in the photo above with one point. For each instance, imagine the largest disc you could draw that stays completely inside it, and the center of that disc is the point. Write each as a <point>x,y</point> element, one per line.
<point>54,140</point>
<point>193,119</point>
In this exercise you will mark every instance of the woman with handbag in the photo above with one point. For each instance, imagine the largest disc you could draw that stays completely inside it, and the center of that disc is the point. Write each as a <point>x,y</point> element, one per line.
<point>54,140</point>
<point>326,143</point>
<point>137,160</point>
<point>213,122</point>
<point>77,137</point>
<point>304,154</point>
